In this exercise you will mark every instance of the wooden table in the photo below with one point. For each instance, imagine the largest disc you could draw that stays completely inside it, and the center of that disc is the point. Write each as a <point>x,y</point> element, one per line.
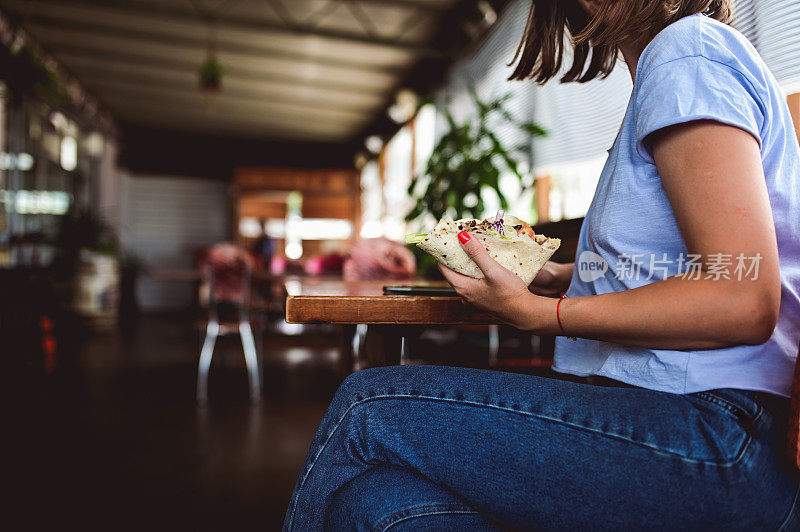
<point>391,318</point>
<point>363,302</point>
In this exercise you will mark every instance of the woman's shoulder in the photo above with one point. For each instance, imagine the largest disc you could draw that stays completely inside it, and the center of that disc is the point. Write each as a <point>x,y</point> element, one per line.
<point>699,36</point>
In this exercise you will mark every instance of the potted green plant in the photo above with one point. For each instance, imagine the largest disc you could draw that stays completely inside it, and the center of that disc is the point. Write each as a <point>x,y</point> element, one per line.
<point>89,258</point>
<point>210,74</point>
<point>468,158</point>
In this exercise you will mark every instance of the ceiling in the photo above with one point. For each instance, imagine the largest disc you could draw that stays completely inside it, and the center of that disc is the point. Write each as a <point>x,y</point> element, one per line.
<point>294,70</point>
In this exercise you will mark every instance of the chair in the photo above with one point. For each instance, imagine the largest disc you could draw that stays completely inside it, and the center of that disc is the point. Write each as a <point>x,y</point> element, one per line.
<point>227,272</point>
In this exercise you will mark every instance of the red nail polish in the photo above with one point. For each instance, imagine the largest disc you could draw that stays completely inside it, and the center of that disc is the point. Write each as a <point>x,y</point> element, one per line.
<point>464,237</point>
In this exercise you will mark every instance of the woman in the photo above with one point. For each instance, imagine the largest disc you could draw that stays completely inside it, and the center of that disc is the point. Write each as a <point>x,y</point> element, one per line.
<point>690,301</point>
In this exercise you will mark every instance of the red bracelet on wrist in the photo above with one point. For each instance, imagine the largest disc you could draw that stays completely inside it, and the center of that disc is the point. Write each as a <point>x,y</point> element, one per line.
<point>558,316</point>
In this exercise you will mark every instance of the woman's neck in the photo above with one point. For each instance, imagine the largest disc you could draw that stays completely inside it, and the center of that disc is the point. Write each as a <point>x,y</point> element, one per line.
<point>631,51</point>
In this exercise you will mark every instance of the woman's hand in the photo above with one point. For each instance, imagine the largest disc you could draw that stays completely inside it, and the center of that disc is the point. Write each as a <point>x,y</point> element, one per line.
<point>552,279</point>
<point>500,292</point>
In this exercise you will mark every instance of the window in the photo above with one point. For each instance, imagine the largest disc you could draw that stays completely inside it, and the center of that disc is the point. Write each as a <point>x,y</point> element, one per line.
<point>424,137</point>
<point>397,178</point>
<point>371,201</point>
<point>568,188</point>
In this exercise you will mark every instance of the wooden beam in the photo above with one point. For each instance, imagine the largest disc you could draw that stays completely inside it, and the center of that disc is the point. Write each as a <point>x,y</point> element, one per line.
<point>543,184</point>
<point>227,126</point>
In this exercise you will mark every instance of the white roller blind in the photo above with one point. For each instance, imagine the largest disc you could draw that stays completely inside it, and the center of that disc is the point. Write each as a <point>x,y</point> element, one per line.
<point>164,220</point>
<point>773,26</point>
<point>581,119</point>
<point>487,70</point>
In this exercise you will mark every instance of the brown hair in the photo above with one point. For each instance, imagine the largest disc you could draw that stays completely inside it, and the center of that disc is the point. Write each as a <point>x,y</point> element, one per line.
<point>541,51</point>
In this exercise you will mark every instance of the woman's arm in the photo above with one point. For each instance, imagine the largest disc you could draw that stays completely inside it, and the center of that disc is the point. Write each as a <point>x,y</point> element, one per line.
<point>713,176</point>
<point>552,279</point>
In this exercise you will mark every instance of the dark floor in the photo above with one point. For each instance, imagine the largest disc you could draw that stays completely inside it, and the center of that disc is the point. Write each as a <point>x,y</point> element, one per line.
<point>113,439</point>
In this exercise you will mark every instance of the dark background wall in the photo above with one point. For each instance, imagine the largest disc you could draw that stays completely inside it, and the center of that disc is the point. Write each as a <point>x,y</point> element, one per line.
<point>151,151</point>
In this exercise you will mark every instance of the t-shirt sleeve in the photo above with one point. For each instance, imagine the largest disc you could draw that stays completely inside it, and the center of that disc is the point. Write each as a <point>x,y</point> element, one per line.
<point>695,88</point>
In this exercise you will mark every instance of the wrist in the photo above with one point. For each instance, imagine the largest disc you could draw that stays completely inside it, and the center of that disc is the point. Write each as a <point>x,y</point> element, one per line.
<point>537,314</point>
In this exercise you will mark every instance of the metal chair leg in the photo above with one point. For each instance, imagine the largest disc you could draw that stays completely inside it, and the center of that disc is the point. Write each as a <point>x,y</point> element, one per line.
<point>494,344</point>
<point>212,331</point>
<point>358,346</point>
<point>251,359</point>
<point>259,334</point>
<point>403,351</point>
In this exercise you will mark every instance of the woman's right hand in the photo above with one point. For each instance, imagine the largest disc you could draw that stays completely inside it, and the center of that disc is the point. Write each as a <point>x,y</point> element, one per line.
<point>552,279</point>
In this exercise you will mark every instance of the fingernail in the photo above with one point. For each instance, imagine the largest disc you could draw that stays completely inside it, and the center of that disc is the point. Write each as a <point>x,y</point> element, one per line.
<point>464,237</point>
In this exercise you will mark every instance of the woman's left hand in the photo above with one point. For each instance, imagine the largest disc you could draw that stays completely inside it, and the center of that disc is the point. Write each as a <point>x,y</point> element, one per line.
<point>500,292</point>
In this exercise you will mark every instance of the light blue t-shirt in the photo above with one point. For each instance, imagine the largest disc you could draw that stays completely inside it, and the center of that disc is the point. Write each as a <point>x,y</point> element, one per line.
<point>696,68</point>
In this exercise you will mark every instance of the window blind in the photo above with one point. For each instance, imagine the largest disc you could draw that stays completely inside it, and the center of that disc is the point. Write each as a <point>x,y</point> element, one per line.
<point>487,71</point>
<point>163,220</point>
<point>581,119</point>
<point>773,26</point>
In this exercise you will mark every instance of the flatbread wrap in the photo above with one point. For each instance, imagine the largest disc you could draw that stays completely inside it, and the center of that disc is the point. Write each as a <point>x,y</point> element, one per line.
<point>509,241</point>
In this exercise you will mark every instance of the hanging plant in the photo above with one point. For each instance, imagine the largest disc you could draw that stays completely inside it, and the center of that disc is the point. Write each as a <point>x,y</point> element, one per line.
<point>25,73</point>
<point>210,74</point>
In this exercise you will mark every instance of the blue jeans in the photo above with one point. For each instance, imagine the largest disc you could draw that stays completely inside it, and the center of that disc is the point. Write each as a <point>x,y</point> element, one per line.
<point>437,448</point>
